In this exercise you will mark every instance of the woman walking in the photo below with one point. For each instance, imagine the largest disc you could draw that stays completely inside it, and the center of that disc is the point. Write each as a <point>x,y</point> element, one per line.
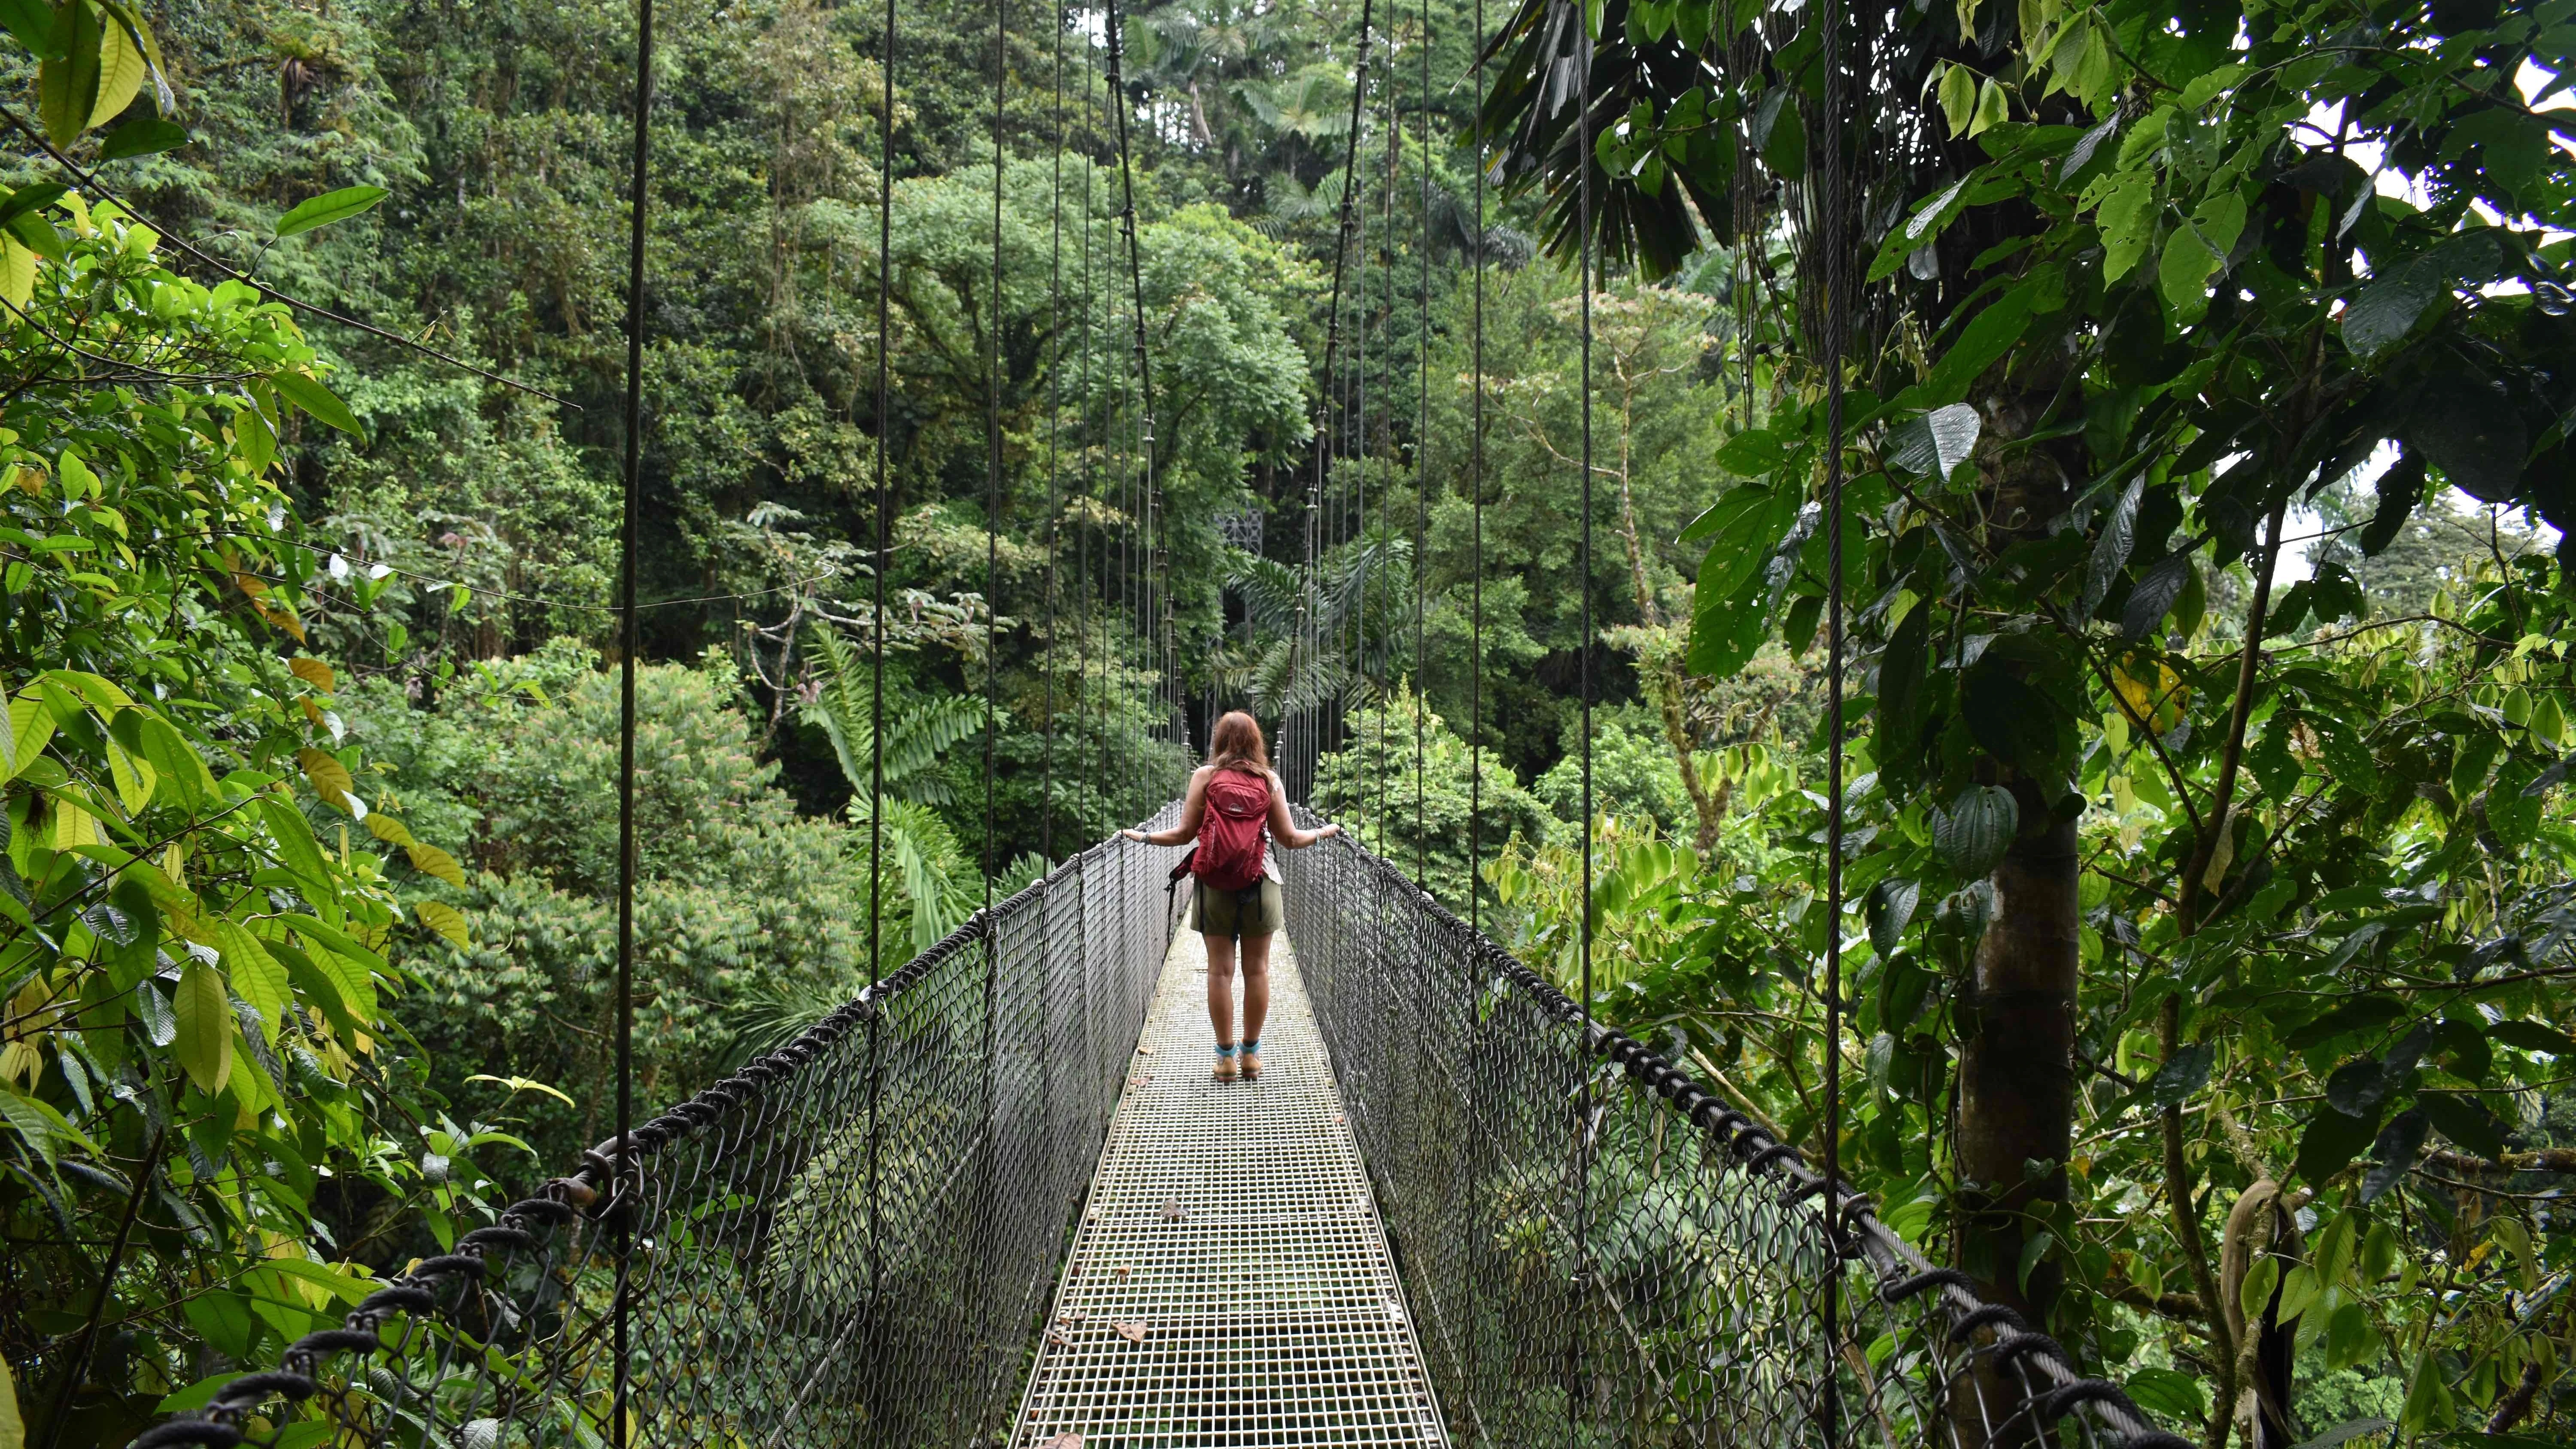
<point>1236,892</point>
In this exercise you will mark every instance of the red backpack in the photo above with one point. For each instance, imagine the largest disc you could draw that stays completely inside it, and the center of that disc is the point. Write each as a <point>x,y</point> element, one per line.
<point>1230,833</point>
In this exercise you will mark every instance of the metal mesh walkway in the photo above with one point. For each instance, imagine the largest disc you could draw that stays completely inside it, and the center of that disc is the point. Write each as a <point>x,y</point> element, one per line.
<point>1230,1283</point>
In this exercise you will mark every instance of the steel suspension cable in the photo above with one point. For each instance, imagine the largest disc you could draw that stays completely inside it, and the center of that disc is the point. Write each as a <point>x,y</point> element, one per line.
<point>629,642</point>
<point>1330,403</point>
<point>993,446</point>
<point>1422,447</point>
<point>884,497</point>
<point>1583,161</point>
<point>1476,508</point>
<point>1143,363</point>
<point>1055,441</point>
<point>1836,241</point>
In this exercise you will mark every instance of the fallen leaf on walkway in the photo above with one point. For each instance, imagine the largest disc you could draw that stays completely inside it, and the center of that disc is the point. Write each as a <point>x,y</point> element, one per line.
<point>1340,1118</point>
<point>1122,1271</point>
<point>1063,1441</point>
<point>1058,1335</point>
<point>1132,1332</point>
<point>1173,1212</point>
<point>1144,1051</point>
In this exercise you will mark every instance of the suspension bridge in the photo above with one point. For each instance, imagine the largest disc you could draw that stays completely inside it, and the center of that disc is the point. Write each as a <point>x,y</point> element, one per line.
<point>995,1199</point>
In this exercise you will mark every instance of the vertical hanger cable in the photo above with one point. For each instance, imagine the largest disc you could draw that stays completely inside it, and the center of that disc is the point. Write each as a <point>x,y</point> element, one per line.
<point>629,641</point>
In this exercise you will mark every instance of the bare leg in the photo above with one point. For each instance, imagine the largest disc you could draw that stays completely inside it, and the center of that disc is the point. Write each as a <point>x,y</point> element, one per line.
<point>1220,954</point>
<point>1256,985</point>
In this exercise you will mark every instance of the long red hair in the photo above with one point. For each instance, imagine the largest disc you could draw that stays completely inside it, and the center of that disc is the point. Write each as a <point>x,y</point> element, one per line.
<point>1236,744</point>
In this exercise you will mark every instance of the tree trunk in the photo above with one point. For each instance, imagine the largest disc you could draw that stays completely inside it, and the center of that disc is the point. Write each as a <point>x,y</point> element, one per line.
<point>2017,1060</point>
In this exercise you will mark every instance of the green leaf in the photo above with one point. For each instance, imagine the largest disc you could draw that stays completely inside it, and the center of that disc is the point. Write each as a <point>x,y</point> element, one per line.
<point>297,850</point>
<point>329,207</point>
<point>2332,1141</point>
<point>1958,98</point>
<point>310,395</point>
<point>2393,1154</point>
<point>32,21</point>
<point>1973,834</point>
<point>143,136</point>
<point>1901,700</point>
<point>2254,1294</point>
<point>256,975</point>
<point>2111,550</point>
<point>1989,336</point>
<point>2428,1400</point>
<point>1891,907</point>
<point>1992,111</point>
<point>205,1043</point>
<point>2184,274</point>
<point>2169,1394</point>
<point>2127,222</point>
<point>2153,596</point>
<point>2462,1120</point>
<point>2399,490</point>
<point>1936,443</point>
<point>2533,1036</point>
<point>27,199</point>
<point>67,86</point>
<point>2180,1078</point>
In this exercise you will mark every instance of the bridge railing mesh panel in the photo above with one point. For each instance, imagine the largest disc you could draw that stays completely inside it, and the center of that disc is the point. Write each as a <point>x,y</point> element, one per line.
<point>1600,1252</point>
<point>851,1242</point>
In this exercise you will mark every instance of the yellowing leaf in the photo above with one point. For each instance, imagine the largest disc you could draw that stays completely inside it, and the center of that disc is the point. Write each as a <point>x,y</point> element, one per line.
<point>73,826</point>
<point>17,272</point>
<point>314,672</point>
<point>331,779</point>
<point>134,776</point>
<point>13,1425</point>
<point>256,975</point>
<point>31,728</point>
<point>430,860</point>
<point>388,829</point>
<point>205,1039</point>
<point>445,919</point>
<point>120,72</point>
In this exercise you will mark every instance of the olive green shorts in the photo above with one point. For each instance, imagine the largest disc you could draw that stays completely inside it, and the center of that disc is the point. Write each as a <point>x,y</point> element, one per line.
<point>1221,913</point>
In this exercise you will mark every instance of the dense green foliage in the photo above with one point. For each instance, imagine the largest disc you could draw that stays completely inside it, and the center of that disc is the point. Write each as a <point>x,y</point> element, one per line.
<point>2207,954</point>
<point>310,766</point>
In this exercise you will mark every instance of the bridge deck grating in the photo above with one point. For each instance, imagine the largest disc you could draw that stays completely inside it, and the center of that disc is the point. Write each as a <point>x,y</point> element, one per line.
<point>1231,1224</point>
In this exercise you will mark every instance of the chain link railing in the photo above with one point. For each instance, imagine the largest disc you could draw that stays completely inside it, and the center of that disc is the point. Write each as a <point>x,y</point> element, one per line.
<point>1600,1252</point>
<point>851,1242</point>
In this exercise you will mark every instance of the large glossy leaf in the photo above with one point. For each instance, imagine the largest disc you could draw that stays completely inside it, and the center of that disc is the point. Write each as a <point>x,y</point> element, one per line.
<point>1976,829</point>
<point>67,86</point>
<point>305,392</point>
<point>2393,1153</point>
<point>2331,1141</point>
<point>2464,1121</point>
<point>329,207</point>
<point>205,1021</point>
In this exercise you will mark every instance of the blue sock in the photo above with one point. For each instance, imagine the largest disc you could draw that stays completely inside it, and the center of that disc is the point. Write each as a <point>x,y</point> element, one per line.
<point>1225,1051</point>
<point>1251,1046</point>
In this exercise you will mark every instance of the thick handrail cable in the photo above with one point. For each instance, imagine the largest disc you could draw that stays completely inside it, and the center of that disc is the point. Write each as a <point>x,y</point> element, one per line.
<point>630,642</point>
